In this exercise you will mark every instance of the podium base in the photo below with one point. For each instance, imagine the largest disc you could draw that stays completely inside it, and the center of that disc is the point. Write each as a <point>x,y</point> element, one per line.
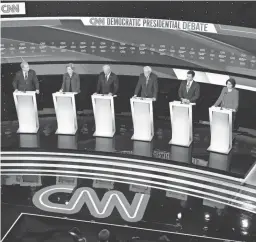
<point>172,142</point>
<point>139,139</point>
<point>104,136</point>
<point>65,133</point>
<point>28,132</point>
<point>219,151</point>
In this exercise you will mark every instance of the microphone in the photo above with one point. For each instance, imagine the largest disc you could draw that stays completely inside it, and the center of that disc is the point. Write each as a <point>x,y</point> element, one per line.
<point>222,102</point>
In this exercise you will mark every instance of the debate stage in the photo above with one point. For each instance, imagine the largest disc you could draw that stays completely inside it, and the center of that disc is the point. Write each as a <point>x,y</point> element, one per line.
<point>204,187</point>
<point>236,164</point>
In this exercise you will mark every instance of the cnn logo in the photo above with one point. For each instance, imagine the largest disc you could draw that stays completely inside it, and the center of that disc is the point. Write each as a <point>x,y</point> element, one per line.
<point>13,8</point>
<point>97,21</point>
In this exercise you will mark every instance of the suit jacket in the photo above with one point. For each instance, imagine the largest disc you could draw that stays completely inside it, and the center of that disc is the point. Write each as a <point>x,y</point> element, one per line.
<point>193,93</point>
<point>149,90</point>
<point>31,84</point>
<point>71,84</point>
<point>228,99</point>
<point>107,86</point>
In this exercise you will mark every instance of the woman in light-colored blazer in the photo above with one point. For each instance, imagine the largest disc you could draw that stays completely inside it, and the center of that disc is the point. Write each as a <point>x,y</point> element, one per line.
<point>229,97</point>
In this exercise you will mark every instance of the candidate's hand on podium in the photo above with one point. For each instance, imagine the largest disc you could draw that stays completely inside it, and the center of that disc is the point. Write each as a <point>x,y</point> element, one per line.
<point>16,90</point>
<point>95,93</point>
<point>61,90</point>
<point>37,92</point>
<point>134,95</point>
<point>154,99</point>
<point>186,101</point>
<point>110,94</point>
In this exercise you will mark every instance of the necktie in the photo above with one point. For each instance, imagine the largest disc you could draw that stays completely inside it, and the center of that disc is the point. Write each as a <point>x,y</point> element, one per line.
<point>188,86</point>
<point>147,80</point>
<point>26,75</point>
<point>106,78</point>
<point>70,86</point>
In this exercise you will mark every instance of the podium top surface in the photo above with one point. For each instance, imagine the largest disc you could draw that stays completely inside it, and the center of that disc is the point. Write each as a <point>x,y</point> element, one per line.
<point>27,93</point>
<point>103,96</point>
<point>221,110</point>
<point>64,94</point>
<point>178,103</point>
<point>142,99</point>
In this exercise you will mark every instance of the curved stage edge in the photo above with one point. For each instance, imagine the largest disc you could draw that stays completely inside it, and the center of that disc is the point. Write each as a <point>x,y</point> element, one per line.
<point>144,172</point>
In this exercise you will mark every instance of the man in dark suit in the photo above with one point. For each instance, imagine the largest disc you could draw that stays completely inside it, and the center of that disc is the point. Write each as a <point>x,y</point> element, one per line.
<point>147,84</point>
<point>108,82</point>
<point>25,79</point>
<point>189,90</point>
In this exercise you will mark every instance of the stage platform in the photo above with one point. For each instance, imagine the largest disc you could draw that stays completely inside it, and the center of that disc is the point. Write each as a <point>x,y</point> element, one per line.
<point>184,193</point>
<point>237,163</point>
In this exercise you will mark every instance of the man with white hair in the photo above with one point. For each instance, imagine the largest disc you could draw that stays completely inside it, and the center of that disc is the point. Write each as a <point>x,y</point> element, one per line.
<point>108,82</point>
<point>147,84</point>
<point>25,79</point>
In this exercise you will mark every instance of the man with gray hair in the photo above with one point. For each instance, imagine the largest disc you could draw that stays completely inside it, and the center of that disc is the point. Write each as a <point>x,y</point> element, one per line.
<point>25,79</point>
<point>108,82</point>
<point>147,84</point>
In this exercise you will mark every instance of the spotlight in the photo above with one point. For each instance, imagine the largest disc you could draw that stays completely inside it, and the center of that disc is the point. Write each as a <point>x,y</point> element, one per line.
<point>207,216</point>
<point>245,223</point>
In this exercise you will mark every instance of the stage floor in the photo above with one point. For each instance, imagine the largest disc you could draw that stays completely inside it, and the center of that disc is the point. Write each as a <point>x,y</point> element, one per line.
<point>188,193</point>
<point>178,216</point>
<point>236,164</point>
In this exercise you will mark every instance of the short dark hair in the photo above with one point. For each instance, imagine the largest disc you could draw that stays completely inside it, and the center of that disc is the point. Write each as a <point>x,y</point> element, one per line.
<point>191,73</point>
<point>232,81</point>
<point>71,65</point>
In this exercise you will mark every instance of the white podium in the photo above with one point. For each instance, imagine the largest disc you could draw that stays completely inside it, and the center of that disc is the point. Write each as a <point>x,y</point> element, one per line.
<point>221,130</point>
<point>142,116</point>
<point>65,108</point>
<point>181,122</point>
<point>104,115</point>
<point>26,107</point>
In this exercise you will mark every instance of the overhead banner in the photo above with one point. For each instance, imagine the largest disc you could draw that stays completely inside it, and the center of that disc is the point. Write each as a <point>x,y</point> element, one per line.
<point>149,23</point>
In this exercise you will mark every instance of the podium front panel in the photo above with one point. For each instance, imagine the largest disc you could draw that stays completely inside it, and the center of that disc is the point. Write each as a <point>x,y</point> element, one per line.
<point>65,115</point>
<point>103,119</point>
<point>181,154</point>
<point>142,148</point>
<point>219,161</point>
<point>142,121</point>
<point>29,140</point>
<point>26,114</point>
<point>104,144</point>
<point>220,131</point>
<point>67,142</point>
<point>180,125</point>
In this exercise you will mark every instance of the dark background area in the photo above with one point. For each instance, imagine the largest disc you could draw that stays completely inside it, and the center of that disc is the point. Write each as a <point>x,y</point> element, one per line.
<point>239,13</point>
<point>168,91</point>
